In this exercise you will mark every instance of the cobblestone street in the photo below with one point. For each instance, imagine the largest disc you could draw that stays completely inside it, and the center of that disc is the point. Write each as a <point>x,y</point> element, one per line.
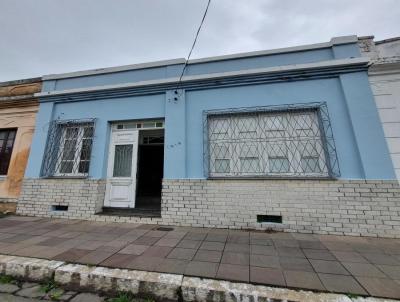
<point>15,291</point>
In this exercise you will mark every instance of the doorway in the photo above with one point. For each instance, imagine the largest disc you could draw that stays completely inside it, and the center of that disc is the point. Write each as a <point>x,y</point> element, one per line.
<point>150,169</point>
<point>135,167</point>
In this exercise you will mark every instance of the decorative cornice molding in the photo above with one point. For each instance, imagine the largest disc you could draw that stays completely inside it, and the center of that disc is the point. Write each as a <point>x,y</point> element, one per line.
<point>18,101</point>
<point>285,73</point>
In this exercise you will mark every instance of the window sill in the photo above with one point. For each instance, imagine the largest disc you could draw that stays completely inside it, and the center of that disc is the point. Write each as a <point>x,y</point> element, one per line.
<point>272,178</point>
<point>65,177</point>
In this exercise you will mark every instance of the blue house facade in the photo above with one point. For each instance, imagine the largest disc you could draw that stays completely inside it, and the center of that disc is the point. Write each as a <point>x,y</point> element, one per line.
<point>285,139</point>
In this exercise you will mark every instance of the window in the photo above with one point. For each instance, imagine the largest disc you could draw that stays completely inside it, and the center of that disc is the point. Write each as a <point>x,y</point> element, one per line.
<point>68,149</point>
<point>275,143</point>
<point>7,138</point>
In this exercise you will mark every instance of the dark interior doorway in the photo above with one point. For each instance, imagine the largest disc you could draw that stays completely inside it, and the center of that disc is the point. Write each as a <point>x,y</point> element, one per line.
<point>150,171</point>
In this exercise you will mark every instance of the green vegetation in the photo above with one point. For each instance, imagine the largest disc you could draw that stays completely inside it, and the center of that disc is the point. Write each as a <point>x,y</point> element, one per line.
<point>129,297</point>
<point>4,279</point>
<point>48,286</point>
<point>55,294</point>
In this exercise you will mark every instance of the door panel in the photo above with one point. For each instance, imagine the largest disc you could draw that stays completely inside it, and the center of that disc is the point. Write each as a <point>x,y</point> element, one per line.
<point>121,172</point>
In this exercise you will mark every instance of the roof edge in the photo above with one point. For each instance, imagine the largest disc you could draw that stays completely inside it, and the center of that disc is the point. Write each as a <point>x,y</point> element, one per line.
<point>20,82</point>
<point>96,71</point>
<point>334,41</point>
<point>387,40</point>
<point>213,76</point>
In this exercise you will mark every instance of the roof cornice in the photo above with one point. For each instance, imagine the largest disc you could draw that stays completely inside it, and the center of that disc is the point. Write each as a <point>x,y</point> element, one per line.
<point>334,41</point>
<point>196,82</point>
<point>113,69</point>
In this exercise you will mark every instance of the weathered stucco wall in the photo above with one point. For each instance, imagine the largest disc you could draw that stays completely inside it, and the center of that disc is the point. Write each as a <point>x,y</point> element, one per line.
<point>18,110</point>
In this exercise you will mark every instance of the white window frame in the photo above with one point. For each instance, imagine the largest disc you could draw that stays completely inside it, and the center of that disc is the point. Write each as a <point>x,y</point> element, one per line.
<point>77,155</point>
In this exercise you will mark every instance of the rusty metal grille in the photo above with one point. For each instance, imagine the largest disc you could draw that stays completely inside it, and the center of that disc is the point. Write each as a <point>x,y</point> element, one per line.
<point>68,148</point>
<point>277,141</point>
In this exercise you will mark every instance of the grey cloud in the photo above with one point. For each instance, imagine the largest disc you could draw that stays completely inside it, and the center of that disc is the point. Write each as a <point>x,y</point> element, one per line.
<point>52,36</point>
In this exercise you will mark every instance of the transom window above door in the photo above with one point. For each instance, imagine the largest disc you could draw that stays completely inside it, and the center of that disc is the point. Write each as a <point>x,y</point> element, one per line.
<point>270,142</point>
<point>68,148</point>
<point>146,124</point>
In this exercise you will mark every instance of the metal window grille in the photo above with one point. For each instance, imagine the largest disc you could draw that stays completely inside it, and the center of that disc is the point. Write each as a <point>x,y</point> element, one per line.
<point>276,141</point>
<point>68,148</point>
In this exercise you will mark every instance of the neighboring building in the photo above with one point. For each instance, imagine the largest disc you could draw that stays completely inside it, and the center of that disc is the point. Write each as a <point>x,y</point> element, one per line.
<point>384,76</point>
<point>288,139</point>
<point>18,109</point>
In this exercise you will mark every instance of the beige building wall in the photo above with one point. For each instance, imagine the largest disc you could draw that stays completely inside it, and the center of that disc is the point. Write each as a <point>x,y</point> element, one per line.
<point>18,110</point>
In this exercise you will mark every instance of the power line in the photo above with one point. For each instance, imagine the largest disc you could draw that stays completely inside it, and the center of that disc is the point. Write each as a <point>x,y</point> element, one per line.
<point>194,43</point>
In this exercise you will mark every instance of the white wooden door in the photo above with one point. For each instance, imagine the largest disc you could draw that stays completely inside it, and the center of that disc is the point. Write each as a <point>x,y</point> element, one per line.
<point>122,166</point>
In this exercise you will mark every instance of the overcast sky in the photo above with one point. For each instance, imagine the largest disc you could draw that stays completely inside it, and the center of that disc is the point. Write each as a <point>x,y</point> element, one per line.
<point>39,37</point>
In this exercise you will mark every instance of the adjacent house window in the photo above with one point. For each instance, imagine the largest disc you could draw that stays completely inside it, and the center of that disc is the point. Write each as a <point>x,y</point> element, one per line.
<point>7,138</point>
<point>263,143</point>
<point>68,149</point>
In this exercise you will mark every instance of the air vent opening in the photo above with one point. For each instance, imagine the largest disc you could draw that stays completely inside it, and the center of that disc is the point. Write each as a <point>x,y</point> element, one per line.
<point>59,208</point>
<point>269,218</point>
<point>165,229</point>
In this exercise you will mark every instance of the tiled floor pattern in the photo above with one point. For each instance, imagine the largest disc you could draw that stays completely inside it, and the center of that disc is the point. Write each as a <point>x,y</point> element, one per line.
<point>357,265</point>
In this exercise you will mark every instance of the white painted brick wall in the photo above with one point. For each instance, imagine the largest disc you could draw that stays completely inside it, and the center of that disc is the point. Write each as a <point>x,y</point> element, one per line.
<point>344,207</point>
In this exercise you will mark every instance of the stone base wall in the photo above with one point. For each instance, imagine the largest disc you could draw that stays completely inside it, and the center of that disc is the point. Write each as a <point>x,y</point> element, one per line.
<point>343,207</point>
<point>84,198</point>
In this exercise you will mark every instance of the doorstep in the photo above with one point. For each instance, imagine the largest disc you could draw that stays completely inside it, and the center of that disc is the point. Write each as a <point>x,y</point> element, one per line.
<point>130,212</point>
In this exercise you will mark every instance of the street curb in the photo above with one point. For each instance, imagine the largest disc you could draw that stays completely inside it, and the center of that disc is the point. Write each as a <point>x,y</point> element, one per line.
<point>161,286</point>
<point>76,276</point>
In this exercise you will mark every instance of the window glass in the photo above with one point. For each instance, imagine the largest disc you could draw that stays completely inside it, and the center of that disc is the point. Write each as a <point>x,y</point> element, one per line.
<point>266,143</point>
<point>278,165</point>
<point>123,160</point>
<point>7,137</point>
<point>68,148</point>
<point>222,165</point>
<point>246,127</point>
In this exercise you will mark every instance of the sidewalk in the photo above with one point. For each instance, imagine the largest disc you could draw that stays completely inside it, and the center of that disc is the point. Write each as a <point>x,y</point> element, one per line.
<point>352,265</point>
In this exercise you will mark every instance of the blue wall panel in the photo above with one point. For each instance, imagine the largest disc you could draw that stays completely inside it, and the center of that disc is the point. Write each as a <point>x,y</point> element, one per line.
<point>361,147</point>
<point>327,90</point>
<point>105,111</point>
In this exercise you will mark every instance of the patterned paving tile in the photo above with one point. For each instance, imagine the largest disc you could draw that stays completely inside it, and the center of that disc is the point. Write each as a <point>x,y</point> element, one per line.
<point>363,270</point>
<point>380,287</point>
<point>267,276</point>
<point>341,284</point>
<point>356,265</point>
<point>329,267</point>
<point>208,256</point>
<point>233,272</point>
<point>300,279</point>
<point>201,269</point>
<point>181,253</point>
<point>235,258</point>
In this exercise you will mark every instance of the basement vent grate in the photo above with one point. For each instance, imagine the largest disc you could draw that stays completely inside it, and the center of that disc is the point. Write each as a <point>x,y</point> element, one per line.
<point>59,208</point>
<point>269,218</point>
<point>165,229</point>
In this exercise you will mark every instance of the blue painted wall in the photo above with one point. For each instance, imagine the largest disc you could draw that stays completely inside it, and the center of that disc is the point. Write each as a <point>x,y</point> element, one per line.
<point>360,143</point>
<point>105,111</point>
<point>162,72</point>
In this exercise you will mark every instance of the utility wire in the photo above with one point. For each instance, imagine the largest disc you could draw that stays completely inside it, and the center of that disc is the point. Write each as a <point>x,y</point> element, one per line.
<point>194,44</point>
